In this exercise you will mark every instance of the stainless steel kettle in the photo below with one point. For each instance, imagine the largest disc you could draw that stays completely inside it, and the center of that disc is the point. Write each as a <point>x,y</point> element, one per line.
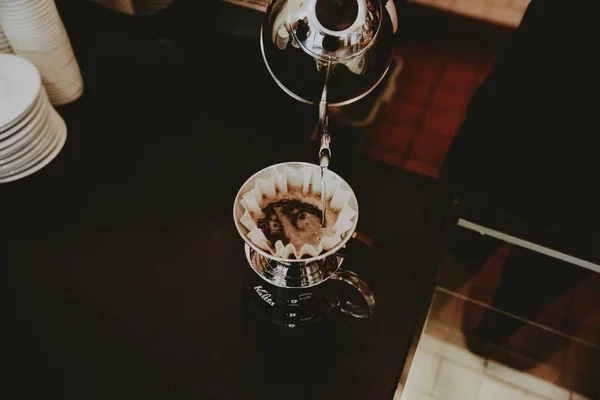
<point>328,52</point>
<point>301,38</point>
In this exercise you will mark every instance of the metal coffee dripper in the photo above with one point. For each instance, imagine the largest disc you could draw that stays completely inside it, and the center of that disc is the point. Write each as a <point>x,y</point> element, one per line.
<point>292,273</point>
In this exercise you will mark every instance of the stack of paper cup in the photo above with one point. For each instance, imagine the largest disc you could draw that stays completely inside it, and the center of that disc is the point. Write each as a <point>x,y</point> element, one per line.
<point>36,32</point>
<point>4,45</point>
<point>122,6</point>
<point>150,7</point>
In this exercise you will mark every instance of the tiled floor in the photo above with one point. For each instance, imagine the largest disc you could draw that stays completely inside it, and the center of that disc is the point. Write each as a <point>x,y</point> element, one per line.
<point>445,371</point>
<point>415,129</point>
<point>544,358</point>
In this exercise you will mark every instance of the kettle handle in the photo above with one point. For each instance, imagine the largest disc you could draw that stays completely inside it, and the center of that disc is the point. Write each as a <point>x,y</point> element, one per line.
<point>361,286</point>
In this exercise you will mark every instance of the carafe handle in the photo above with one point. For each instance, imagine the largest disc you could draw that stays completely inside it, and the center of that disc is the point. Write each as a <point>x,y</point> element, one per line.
<point>346,306</point>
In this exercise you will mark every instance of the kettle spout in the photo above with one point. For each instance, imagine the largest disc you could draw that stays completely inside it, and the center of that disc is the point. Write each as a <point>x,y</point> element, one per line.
<point>324,151</point>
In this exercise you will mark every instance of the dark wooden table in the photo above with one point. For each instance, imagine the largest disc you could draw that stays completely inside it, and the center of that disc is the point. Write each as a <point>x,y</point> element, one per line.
<point>121,266</point>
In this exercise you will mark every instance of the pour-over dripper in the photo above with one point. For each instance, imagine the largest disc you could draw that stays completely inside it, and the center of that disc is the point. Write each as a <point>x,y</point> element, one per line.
<point>267,185</point>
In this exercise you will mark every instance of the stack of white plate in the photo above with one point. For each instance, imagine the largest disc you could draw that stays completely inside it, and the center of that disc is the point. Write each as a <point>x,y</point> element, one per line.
<point>36,32</point>
<point>32,133</point>
<point>123,6</point>
<point>4,45</point>
<point>150,7</point>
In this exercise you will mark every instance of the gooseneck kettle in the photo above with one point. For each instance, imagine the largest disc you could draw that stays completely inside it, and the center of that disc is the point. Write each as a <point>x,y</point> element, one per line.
<point>328,52</point>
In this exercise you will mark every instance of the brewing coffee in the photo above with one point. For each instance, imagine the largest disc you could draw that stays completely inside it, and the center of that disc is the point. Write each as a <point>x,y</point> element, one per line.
<point>295,218</point>
<point>285,200</point>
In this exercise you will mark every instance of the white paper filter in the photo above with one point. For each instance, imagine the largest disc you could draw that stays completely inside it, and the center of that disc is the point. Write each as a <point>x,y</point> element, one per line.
<point>275,185</point>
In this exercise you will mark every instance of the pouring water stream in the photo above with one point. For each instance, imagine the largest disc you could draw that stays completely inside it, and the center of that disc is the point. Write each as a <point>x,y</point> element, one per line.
<point>324,151</point>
